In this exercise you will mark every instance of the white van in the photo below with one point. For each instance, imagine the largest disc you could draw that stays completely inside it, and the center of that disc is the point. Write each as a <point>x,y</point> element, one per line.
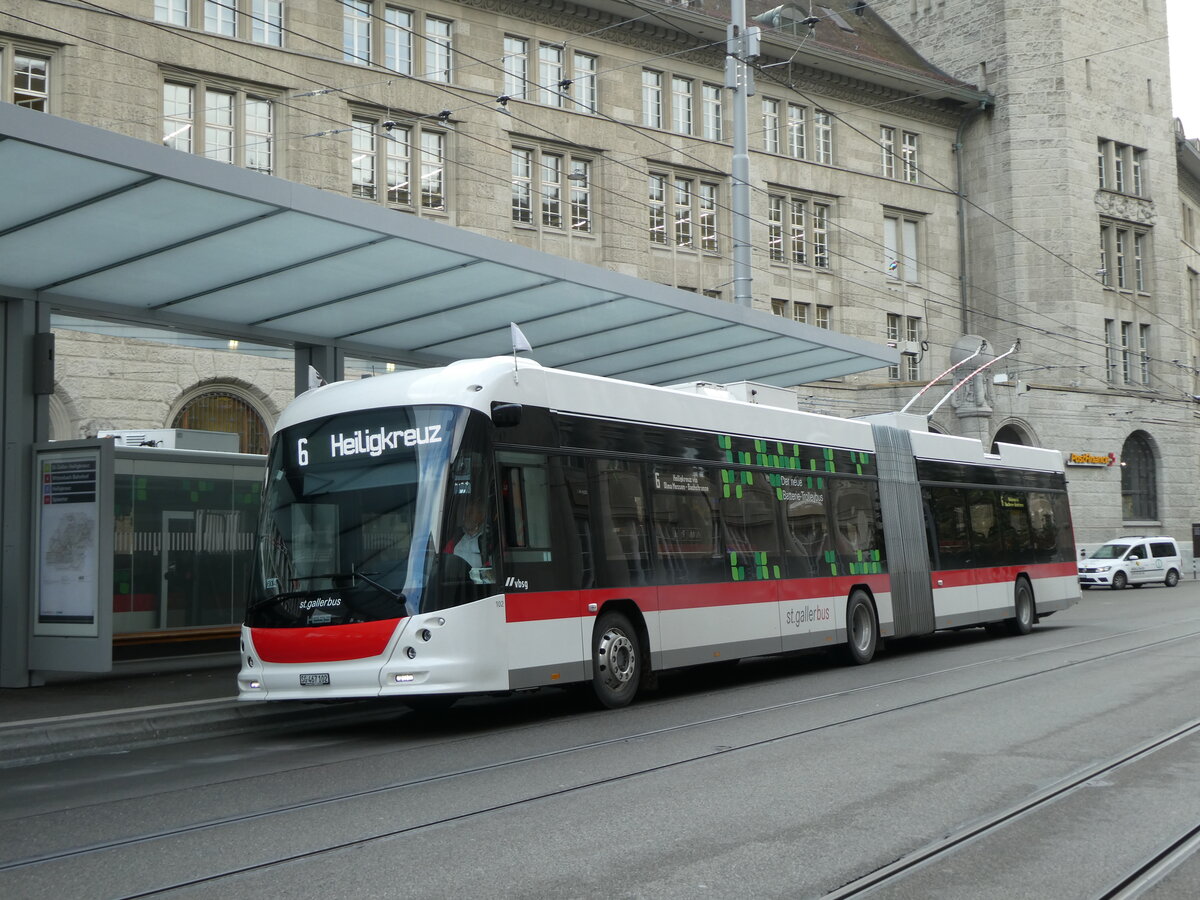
<point>1132,561</point>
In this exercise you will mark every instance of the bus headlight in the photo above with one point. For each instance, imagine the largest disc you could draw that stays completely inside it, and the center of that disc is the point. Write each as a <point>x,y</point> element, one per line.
<point>410,652</point>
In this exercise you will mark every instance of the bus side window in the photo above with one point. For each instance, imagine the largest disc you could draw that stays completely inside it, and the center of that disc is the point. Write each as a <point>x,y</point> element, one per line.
<point>750,529</point>
<point>985,529</point>
<point>1044,535</point>
<point>858,534</point>
<point>524,487</point>
<point>684,513</point>
<point>1013,512</point>
<point>621,545</point>
<point>950,519</point>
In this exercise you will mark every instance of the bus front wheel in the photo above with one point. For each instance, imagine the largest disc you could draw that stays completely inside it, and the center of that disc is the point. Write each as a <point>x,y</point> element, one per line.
<point>616,660</point>
<point>862,629</point>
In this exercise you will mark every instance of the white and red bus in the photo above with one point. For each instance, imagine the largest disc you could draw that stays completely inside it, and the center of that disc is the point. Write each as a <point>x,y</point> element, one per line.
<point>489,526</point>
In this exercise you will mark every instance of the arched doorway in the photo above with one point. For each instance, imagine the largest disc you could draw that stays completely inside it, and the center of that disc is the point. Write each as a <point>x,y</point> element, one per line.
<point>1010,434</point>
<point>1139,478</point>
<point>225,409</point>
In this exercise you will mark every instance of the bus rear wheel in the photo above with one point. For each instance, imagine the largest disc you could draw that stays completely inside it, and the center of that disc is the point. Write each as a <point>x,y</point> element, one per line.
<point>862,629</point>
<point>616,660</point>
<point>1022,622</point>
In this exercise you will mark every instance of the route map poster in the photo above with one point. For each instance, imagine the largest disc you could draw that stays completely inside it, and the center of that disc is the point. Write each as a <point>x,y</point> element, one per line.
<point>68,541</point>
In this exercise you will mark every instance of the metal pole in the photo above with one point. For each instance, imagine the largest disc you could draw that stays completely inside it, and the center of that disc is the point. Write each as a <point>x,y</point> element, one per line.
<point>740,80</point>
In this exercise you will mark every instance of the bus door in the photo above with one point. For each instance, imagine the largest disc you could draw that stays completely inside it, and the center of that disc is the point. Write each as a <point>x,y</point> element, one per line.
<point>953,557</point>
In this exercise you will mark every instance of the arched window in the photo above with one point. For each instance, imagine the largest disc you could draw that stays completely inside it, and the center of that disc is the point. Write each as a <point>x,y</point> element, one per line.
<point>225,411</point>
<point>1139,479</point>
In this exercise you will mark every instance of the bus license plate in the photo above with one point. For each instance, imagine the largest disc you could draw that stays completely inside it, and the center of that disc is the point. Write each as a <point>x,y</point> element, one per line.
<point>314,680</point>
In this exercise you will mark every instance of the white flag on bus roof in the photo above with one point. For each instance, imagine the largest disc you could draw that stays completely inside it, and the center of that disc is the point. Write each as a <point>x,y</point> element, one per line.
<point>519,341</point>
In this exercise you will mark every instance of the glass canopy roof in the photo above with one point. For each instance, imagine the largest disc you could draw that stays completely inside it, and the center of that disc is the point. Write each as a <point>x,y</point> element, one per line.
<point>99,224</point>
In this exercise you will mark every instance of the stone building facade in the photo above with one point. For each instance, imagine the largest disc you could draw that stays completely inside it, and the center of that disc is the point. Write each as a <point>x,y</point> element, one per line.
<point>926,172</point>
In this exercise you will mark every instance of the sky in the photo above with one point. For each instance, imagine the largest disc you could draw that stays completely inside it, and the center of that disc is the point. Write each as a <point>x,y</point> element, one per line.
<point>1183,25</point>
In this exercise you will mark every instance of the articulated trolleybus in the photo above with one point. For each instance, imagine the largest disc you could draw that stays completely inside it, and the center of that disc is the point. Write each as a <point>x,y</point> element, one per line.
<point>497,526</point>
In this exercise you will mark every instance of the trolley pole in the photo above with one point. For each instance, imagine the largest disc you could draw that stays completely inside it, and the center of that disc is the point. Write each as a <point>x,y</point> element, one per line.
<point>740,80</point>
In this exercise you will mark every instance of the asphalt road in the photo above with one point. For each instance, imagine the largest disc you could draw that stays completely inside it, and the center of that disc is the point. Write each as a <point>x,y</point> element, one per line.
<point>1059,765</point>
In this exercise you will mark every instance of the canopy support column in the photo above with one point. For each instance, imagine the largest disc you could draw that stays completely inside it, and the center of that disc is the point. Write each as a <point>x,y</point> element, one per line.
<point>330,363</point>
<point>26,381</point>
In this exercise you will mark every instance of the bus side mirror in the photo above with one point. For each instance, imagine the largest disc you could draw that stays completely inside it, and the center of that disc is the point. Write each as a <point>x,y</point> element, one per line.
<point>506,415</point>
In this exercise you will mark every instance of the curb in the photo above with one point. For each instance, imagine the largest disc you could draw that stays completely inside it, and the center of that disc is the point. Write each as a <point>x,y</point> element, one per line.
<point>45,740</point>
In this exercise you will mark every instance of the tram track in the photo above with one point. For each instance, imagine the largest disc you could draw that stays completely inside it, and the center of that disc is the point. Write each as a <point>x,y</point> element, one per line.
<point>1154,868</point>
<point>259,816</point>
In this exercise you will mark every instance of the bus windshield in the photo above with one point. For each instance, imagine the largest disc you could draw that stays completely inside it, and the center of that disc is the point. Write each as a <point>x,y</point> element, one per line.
<point>352,515</point>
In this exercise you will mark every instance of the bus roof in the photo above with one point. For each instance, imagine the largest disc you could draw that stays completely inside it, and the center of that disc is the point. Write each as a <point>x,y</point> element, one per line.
<point>723,409</point>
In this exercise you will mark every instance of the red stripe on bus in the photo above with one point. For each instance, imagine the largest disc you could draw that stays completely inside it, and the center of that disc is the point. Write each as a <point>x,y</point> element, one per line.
<point>327,643</point>
<point>1000,574</point>
<point>547,605</point>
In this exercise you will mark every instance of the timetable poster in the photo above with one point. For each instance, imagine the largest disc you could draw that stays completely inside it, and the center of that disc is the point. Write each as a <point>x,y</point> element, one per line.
<point>68,530</point>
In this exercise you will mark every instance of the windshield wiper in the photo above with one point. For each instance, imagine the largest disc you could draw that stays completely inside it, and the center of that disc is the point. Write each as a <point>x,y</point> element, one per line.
<point>395,595</point>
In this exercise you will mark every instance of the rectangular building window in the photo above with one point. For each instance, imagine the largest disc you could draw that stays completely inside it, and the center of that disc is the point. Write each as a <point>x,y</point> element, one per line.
<point>581,195</point>
<point>901,246</point>
<point>266,22</point>
<point>707,206</point>
<point>798,231</point>
<point>823,136</point>
<point>259,20</point>
<point>558,178</point>
<point>912,336</point>
<point>796,131</point>
<point>398,40</point>
<point>220,18</point>
<point>689,206</point>
<point>652,101</point>
<point>1126,352</point>
<point>392,156</point>
<point>892,336</point>
<point>30,81</point>
<point>770,125</point>
<point>552,190</point>
<point>1139,261</point>
<point>172,12</point>
<point>551,74</point>
<point>1111,356</point>
<point>437,49</point>
<point>1144,354</point>
<point>232,127</point>
<point>1121,167</point>
<point>800,312</point>
<point>887,148</point>
<point>516,66</point>
<point>522,186</point>
<point>683,212</point>
<point>583,89</point>
<point>712,122</point>
<point>657,205</point>
<point>681,105</point>
<point>356,31</point>
<point>433,170</point>
<point>1124,257</point>
<point>363,155</point>
<point>824,316</point>
<point>908,153</point>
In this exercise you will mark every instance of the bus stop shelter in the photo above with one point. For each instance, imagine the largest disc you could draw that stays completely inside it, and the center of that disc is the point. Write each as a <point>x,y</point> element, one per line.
<point>98,224</point>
